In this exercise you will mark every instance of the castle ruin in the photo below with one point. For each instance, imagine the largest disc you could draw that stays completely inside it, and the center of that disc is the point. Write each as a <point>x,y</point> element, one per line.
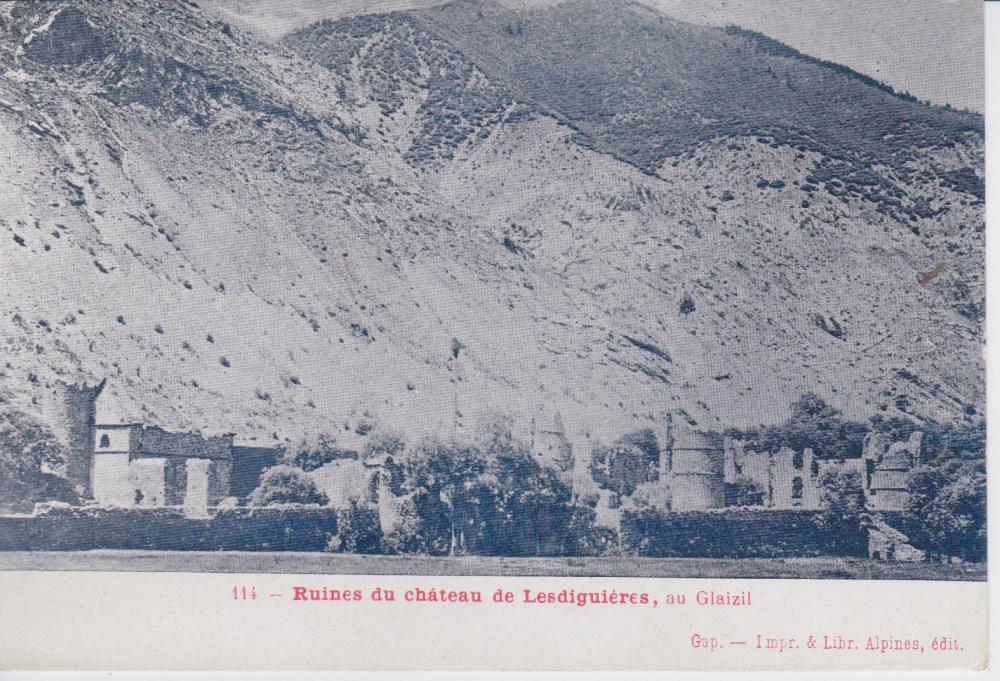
<point>135,465</point>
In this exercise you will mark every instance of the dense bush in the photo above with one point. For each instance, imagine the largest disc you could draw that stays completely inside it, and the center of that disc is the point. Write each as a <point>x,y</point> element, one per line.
<point>358,530</point>
<point>289,527</point>
<point>843,499</point>
<point>586,538</point>
<point>313,452</point>
<point>490,499</point>
<point>738,533</point>
<point>533,509</point>
<point>407,536</point>
<point>279,528</point>
<point>286,485</point>
<point>948,496</point>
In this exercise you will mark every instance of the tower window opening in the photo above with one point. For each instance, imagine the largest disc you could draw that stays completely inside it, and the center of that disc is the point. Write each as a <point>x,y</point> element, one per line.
<point>796,488</point>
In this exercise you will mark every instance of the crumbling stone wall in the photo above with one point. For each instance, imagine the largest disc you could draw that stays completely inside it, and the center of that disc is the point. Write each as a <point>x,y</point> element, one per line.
<point>248,464</point>
<point>174,481</point>
<point>788,479</point>
<point>111,480</point>
<point>147,481</point>
<point>196,494</point>
<point>153,440</point>
<point>888,543</point>
<point>219,475</point>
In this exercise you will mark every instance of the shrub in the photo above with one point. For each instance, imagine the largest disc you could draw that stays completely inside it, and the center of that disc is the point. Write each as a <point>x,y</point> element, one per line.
<point>406,536</point>
<point>585,538</point>
<point>843,500</point>
<point>358,530</point>
<point>314,452</point>
<point>687,305</point>
<point>738,533</point>
<point>954,520</point>
<point>948,493</point>
<point>287,527</point>
<point>286,485</point>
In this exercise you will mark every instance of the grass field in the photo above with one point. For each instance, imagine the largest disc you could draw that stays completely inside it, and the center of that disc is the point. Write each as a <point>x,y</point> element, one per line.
<point>351,564</point>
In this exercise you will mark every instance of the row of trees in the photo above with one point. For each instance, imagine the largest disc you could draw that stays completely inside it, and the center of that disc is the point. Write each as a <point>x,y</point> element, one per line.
<point>948,493</point>
<point>813,424</point>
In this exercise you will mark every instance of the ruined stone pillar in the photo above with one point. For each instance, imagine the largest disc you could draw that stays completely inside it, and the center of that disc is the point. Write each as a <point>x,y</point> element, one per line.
<point>196,492</point>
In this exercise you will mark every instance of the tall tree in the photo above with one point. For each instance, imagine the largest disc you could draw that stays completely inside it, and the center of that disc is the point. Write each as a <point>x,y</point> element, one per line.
<point>452,494</point>
<point>842,498</point>
<point>948,493</point>
<point>534,507</point>
<point>494,499</point>
<point>812,424</point>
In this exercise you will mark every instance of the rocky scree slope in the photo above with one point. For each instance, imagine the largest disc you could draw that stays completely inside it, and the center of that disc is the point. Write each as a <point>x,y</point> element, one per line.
<point>420,218</point>
<point>832,226</point>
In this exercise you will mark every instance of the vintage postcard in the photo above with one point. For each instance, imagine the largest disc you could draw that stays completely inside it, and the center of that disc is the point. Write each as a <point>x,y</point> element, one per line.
<point>577,334</point>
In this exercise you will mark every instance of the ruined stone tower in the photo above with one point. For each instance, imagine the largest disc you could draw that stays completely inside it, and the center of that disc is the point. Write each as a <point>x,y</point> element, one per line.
<point>551,446</point>
<point>71,410</point>
<point>697,465</point>
<point>887,469</point>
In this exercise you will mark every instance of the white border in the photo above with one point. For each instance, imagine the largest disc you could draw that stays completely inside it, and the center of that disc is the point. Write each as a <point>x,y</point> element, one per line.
<point>992,28</point>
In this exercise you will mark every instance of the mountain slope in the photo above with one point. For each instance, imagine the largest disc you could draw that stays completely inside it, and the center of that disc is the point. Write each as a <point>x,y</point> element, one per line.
<point>383,219</point>
<point>644,88</point>
<point>819,221</point>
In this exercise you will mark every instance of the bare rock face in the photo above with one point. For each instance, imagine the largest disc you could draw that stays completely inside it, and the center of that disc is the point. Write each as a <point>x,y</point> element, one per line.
<point>66,38</point>
<point>425,217</point>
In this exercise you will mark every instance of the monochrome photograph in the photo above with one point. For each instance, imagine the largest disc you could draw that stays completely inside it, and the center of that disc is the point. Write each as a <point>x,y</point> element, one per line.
<point>561,288</point>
